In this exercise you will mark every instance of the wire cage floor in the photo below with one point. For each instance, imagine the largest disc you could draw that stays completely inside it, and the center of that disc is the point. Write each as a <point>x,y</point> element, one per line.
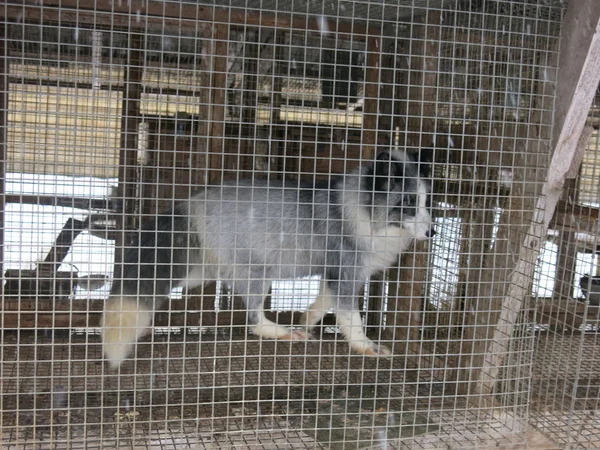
<point>218,393</point>
<point>566,394</point>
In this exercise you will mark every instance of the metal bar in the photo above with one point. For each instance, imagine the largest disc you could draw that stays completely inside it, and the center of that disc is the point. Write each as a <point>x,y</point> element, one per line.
<point>4,71</point>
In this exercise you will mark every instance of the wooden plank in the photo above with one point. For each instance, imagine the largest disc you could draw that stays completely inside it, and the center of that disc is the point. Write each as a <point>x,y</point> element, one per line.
<point>178,15</point>
<point>584,141</point>
<point>67,202</point>
<point>125,18</point>
<point>104,87</point>
<point>578,78</point>
<point>579,223</point>
<point>32,317</point>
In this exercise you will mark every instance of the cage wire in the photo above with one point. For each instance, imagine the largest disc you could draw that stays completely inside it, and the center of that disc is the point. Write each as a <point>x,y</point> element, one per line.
<point>566,388</point>
<point>116,112</point>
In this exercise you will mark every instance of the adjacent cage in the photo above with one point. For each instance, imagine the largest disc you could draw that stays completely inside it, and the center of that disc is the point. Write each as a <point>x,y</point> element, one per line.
<point>113,111</point>
<point>566,387</point>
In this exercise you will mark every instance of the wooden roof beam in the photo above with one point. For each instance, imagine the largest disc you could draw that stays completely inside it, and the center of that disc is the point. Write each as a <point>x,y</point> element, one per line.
<point>138,14</point>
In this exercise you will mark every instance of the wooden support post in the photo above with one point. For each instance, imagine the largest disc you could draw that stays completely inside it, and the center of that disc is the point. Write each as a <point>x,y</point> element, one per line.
<point>578,79</point>
<point>371,106</point>
<point>130,119</point>
<point>203,298</point>
<point>218,100</point>
<point>408,281</point>
<point>388,90</point>
<point>249,104</point>
<point>201,127</point>
<point>374,325</point>
<point>277,132</point>
<point>369,151</point>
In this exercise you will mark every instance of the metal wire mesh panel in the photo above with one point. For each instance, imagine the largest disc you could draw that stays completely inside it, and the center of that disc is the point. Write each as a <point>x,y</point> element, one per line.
<point>277,224</point>
<point>566,389</point>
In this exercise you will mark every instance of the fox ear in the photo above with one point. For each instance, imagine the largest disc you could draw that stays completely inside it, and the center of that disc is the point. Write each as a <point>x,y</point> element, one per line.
<point>385,172</point>
<point>424,158</point>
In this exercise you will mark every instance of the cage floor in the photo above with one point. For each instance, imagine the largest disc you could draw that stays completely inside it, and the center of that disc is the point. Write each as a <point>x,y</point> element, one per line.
<point>566,388</point>
<point>245,393</point>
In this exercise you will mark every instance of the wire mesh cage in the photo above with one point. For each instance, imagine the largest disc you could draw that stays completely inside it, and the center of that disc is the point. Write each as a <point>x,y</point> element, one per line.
<point>292,225</point>
<point>565,388</point>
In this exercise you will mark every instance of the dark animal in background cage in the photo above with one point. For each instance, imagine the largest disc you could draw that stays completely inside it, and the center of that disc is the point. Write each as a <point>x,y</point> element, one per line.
<point>590,286</point>
<point>341,72</point>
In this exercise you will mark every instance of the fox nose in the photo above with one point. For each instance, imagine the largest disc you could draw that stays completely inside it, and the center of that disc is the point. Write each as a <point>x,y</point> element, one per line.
<point>431,232</point>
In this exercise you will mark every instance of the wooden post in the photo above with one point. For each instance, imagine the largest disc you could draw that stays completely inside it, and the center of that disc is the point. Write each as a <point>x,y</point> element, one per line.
<point>249,104</point>
<point>203,298</point>
<point>371,107</point>
<point>201,132</point>
<point>373,325</point>
<point>407,282</point>
<point>369,151</point>
<point>130,119</point>
<point>218,88</point>
<point>277,132</point>
<point>388,91</point>
<point>578,78</point>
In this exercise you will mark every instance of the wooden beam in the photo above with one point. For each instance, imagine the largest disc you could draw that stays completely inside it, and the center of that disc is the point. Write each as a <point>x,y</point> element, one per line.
<point>249,104</point>
<point>139,14</point>
<point>67,202</point>
<point>16,315</point>
<point>576,221</point>
<point>103,87</point>
<point>371,106</point>
<point>130,120</point>
<point>218,102</point>
<point>408,280</point>
<point>578,78</point>
<point>590,212</point>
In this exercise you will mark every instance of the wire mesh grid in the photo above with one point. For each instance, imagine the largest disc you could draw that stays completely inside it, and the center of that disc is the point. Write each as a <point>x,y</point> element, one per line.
<point>566,386</point>
<point>117,110</point>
